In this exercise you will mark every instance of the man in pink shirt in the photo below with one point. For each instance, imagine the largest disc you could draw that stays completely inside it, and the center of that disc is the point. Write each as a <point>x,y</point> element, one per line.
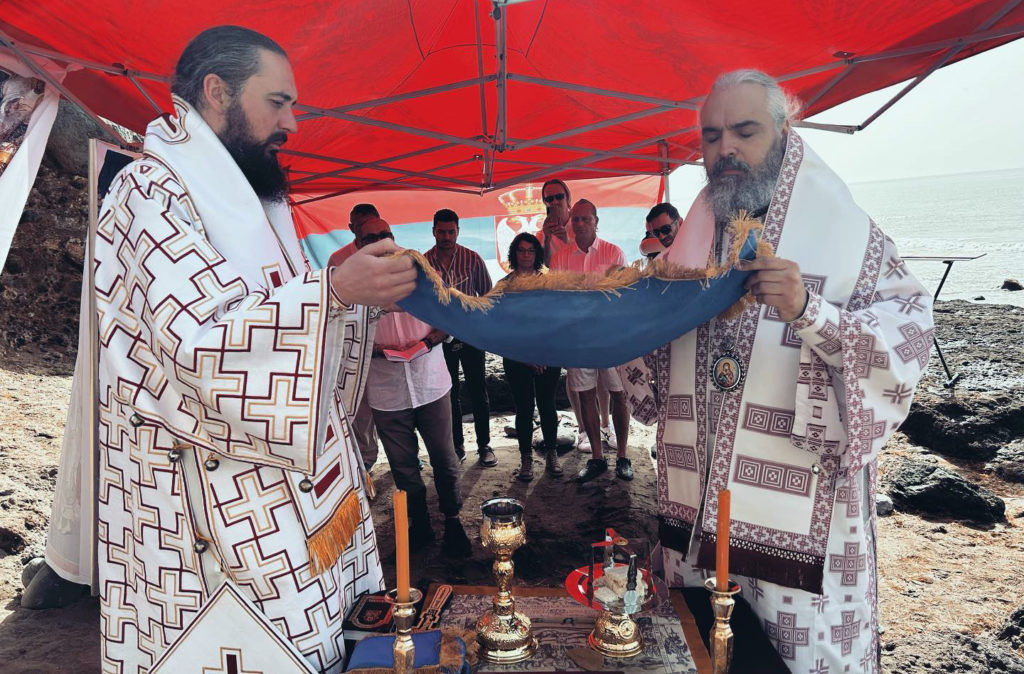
<point>362,423</point>
<point>592,255</point>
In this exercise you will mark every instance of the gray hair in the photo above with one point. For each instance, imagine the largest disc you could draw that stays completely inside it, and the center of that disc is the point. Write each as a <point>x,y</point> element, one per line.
<point>783,107</point>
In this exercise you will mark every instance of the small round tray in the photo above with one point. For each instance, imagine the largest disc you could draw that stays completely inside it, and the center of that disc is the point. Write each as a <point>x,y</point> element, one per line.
<point>578,580</point>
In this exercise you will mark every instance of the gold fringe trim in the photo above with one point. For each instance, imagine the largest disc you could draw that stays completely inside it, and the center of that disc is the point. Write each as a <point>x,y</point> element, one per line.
<point>472,646</point>
<point>611,283</point>
<point>451,657</point>
<point>327,544</point>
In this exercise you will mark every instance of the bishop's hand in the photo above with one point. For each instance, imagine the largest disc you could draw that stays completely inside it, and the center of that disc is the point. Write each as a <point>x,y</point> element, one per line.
<point>372,277</point>
<point>776,282</point>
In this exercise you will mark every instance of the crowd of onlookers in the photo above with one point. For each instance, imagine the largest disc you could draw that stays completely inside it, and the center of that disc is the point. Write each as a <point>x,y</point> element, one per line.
<point>414,381</point>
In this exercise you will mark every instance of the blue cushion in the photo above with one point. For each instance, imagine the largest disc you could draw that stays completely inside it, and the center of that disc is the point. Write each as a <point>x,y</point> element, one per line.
<point>378,652</point>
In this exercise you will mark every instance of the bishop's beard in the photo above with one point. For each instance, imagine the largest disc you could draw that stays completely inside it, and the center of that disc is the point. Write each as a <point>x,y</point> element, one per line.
<point>260,167</point>
<point>751,191</point>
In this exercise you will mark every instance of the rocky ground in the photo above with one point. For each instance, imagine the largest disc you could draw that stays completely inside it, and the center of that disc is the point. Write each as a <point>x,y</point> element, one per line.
<point>950,555</point>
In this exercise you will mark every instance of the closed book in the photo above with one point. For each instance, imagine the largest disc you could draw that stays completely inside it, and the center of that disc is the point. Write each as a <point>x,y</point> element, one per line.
<point>371,615</point>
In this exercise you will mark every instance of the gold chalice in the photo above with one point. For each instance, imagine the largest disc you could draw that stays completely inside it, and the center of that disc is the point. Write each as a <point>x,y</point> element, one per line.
<point>504,635</point>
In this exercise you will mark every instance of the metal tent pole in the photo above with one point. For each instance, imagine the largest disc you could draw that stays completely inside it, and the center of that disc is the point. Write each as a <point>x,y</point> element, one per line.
<point>501,124</point>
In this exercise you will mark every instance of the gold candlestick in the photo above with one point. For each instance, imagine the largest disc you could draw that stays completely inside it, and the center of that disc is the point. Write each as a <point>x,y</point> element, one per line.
<point>504,635</point>
<point>404,650</point>
<point>721,638</point>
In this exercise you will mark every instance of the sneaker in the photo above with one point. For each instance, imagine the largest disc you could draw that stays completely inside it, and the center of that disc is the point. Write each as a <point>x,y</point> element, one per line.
<point>583,443</point>
<point>460,453</point>
<point>593,468</point>
<point>624,468</point>
<point>421,534</point>
<point>487,457</point>
<point>606,434</point>
<point>456,543</point>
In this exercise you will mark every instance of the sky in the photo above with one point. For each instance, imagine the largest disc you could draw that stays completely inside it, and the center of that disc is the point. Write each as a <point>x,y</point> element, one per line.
<point>965,117</point>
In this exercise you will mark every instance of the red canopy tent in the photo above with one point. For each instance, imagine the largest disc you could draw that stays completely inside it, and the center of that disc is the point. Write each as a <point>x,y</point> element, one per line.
<point>473,96</point>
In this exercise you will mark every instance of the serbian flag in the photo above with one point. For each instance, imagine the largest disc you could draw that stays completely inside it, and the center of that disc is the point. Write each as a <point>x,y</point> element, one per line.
<point>487,223</point>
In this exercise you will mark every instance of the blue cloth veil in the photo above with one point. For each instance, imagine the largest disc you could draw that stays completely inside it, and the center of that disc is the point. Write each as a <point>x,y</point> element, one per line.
<point>570,320</point>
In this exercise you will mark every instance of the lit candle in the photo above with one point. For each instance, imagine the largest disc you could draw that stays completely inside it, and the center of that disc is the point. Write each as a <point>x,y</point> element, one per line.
<point>402,545</point>
<point>722,558</point>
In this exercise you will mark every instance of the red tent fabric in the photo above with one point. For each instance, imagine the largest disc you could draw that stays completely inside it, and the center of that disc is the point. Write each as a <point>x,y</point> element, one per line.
<point>591,87</point>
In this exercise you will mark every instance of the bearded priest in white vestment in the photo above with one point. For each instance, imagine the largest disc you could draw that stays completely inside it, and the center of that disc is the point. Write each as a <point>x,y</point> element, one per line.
<point>788,403</point>
<point>234,529</point>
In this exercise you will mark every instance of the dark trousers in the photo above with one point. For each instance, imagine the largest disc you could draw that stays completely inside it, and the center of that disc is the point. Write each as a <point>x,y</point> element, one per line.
<point>397,431</point>
<point>527,386</point>
<point>472,360</point>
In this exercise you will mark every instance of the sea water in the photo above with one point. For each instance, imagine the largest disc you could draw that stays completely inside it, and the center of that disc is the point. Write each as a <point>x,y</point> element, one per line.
<point>962,214</point>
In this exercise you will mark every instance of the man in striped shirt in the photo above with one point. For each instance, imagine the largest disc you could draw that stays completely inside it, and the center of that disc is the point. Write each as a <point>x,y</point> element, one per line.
<point>591,255</point>
<point>464,270</point>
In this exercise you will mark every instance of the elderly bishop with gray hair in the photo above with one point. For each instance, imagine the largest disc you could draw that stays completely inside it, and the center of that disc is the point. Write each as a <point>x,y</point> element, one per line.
<point>787,404</point>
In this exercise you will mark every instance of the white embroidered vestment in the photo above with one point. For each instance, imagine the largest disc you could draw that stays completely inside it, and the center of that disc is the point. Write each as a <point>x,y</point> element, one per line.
<point>796,441</point>
<point>226,455</point>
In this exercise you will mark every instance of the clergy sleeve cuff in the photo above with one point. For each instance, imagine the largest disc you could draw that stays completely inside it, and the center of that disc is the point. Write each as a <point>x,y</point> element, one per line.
<point>812,312</point>
<point>336,301</point>
<point>818,328</point>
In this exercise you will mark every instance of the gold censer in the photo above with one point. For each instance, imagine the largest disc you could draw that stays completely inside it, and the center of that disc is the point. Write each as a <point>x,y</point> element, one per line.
<point>504,635</point>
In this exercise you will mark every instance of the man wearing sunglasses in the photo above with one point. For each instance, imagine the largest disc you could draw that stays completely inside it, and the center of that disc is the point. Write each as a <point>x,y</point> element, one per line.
<point>663,223</point>
<point>362,424</point>
<point>360,214</point>
<point>555,233</point>
<point>410,396</point>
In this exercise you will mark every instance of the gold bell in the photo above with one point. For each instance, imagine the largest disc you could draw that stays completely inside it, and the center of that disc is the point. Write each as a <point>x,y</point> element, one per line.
<point>306,485</point>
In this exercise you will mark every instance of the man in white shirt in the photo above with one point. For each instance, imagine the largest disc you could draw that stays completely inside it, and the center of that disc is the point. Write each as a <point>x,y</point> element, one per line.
<point>592,255</point>
<point>406,397</point>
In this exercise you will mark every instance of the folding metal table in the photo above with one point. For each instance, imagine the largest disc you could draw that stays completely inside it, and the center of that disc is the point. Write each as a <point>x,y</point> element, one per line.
<point>947,260</point>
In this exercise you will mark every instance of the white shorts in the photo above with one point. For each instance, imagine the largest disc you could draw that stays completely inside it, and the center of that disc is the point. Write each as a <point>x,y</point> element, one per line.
<point>585,378</point>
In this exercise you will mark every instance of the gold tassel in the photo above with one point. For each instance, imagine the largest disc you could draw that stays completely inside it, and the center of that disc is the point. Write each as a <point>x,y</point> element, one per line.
<point>371,488</point>
<point>327,544</point>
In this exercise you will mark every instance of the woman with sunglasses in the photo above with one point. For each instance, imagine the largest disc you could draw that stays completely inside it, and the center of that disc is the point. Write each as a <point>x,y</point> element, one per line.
<point>528,382</point>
